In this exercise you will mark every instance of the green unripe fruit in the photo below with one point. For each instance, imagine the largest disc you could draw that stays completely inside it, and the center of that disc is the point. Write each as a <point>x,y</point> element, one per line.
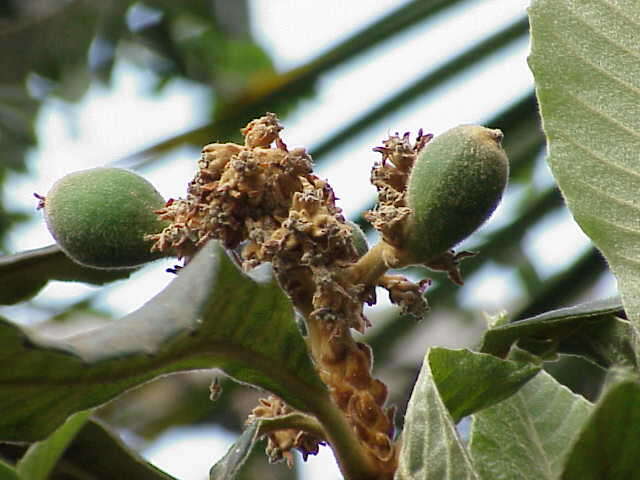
<point>455,185</point>
<point>359,239</point>
<point>99,217</point>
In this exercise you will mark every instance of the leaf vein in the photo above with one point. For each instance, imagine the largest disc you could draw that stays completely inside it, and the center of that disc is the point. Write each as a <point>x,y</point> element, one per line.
<point>635,261</point>
<point>599,113</point>
<point>606,38</point>
<point>523,412</point>
<point>619,11</point>
<point>597,156</point>
<point>609,74</point>
<point>606,195</point>
<point>616,225</point>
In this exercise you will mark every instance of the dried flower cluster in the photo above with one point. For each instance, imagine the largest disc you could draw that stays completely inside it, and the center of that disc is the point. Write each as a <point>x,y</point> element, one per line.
<point>390,176</point>
<point>266,203</point>
<point>280,443</point>
<point>263,201</point>
<point>391,217</point>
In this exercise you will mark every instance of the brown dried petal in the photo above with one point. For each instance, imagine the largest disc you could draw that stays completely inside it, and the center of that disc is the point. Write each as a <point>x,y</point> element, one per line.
<point>262,131</point>
<point>214,159</point>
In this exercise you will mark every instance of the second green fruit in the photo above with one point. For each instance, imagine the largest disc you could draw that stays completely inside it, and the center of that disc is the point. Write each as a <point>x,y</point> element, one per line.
<point>456,183</point>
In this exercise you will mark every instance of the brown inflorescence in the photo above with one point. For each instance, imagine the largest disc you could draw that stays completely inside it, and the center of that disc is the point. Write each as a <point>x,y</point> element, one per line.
<point>263,201</point>
<point>390,176</point>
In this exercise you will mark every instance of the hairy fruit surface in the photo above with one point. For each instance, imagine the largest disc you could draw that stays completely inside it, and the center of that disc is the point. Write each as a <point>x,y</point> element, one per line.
<point>455,185</point>
<point>100,217</point>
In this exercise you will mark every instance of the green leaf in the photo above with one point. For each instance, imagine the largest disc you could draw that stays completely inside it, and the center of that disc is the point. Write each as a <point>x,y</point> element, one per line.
<point>211,316</point>
<point>99,454</point>
<point>7,472</point>
<point>41,457</point>
<point>469,381</point>
<point>608,445</point>
<point>23,275</point>
<point>529,435</point>
<point>95,453</point>
<point>430,447</point>
<point>452,384</point>
<point>229,466</point>
<point>591,329</point>
<point>585,60</point>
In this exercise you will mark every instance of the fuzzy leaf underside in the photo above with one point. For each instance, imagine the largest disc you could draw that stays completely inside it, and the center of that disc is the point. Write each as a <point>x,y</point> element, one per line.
<point>585,57</point>
<point>452,383</point>
<point>608,445</point>
<point>529,435</point>
<point>593,330</point>
<point>431,448</point>
<point>210,316</point>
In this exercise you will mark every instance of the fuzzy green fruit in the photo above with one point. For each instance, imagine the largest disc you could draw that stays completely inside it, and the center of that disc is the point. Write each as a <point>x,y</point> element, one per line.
<point>99,217</point>
<point>455,185</point>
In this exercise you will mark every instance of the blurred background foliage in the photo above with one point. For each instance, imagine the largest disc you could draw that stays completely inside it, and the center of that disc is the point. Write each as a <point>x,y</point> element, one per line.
<point>60,48</point>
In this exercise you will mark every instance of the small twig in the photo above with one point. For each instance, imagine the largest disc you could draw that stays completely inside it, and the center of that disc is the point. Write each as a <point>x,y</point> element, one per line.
<point>371,266</point>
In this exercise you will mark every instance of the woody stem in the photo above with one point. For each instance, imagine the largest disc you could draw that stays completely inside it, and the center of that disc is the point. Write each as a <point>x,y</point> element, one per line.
<point>372,265</point>
<point>353,459</point>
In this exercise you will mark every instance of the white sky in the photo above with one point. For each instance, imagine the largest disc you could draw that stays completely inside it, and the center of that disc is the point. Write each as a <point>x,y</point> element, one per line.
<point>109,124</point>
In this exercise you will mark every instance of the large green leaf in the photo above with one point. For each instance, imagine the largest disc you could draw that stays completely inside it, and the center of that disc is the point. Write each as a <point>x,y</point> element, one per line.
<point>469,381</point>
<point>592,330</point>
<point>211,315</point>
<point>585,58</point>
<point>452,383</point>
<point>431,448</point>
<point>7,472</point>
<point>608,446</point>
<point>529,435</point>
<point>99,454</point>
<point>22,275</point>
<point>41,457</point>
<point>80,449</point>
